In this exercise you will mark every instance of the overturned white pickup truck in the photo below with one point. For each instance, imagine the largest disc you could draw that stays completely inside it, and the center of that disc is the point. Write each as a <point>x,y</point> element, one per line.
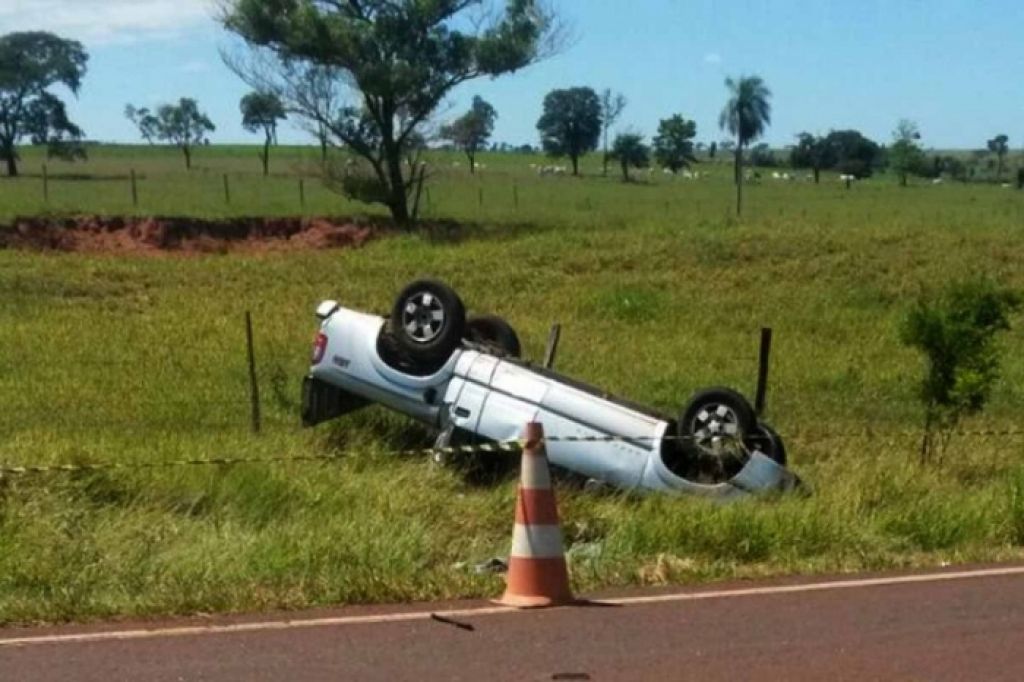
<point>464,377</point>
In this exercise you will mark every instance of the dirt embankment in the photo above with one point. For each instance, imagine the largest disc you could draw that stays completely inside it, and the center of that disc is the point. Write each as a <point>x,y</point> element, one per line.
<point>102,234</point>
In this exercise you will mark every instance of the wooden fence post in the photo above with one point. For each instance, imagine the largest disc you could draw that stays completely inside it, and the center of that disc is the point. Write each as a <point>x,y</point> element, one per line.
<point>254,389</point>
<point>762,369</point>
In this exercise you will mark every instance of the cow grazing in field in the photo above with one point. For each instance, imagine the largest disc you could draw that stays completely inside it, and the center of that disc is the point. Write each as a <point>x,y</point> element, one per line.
<point>551,170</point>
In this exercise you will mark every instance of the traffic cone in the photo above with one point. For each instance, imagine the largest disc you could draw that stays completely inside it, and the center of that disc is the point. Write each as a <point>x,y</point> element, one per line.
<point>537,574</point>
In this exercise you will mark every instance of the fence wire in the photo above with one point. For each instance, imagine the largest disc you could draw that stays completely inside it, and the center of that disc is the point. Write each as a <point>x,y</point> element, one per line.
<point>508,446</point>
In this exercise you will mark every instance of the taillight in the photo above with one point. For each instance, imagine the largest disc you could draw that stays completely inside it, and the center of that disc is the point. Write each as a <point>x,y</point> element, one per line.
<point>319,347</point>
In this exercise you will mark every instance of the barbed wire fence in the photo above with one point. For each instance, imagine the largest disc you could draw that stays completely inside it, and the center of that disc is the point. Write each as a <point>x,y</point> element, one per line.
<point>175,409</point>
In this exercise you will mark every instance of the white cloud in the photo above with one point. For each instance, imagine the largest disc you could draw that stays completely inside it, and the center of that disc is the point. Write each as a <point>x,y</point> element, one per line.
<point>712,58</point>
<point>105,21</point>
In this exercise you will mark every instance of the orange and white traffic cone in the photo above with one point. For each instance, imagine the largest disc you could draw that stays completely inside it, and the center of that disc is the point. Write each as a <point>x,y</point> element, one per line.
<point>537,573</point>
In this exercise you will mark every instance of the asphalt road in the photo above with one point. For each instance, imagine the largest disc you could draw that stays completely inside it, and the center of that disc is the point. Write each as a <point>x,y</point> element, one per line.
<point>963,625</point>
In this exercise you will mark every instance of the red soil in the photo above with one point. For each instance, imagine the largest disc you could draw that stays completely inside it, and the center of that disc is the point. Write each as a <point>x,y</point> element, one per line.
<point>135,235</point>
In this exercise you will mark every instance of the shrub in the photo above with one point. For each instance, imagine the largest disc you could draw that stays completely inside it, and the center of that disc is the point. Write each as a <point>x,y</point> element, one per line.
<point>955,331</point>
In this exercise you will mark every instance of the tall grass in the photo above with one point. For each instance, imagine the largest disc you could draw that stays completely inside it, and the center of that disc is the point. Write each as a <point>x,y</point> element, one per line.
<point>659,291</point>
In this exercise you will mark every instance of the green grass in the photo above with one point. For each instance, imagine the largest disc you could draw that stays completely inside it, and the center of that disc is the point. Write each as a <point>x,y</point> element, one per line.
<point>660,291</point>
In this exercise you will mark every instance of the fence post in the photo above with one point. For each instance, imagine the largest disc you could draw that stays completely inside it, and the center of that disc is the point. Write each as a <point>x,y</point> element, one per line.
<point>253,384</point>
<point>227,190</point>
<point>552,348</point>
<point>762,369</point>
<point>135,191</point>
<point>515,195</point>
<point>46,185</point>
<point>480,196</point>
<point>429,203</point>
<point>302,193</point>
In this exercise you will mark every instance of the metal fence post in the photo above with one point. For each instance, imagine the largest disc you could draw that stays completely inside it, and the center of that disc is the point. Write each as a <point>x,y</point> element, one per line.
<point>227,190</point>
<point>46,185</point>
<point>135,190</point>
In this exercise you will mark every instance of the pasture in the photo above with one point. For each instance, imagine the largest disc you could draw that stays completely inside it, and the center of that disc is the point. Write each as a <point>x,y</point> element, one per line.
<point>660,291</point>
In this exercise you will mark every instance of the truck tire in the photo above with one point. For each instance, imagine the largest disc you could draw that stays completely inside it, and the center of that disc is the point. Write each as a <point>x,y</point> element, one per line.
<point>495,332</point>
<point>428,321</point>
<point>713,429</point>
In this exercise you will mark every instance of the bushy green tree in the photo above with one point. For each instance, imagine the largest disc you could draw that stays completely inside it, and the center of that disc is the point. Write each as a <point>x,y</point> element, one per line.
<point>570,124</point>
<point>471,131</point>
<point>30,64</point>
<point>673,145</point>
<point>398,59</point>
<point>956,333</point>
<point>905,155</point>
<point>182,125</point>
<point>631,152</point>
<point>260,113</point>
<point>746,115</point>
<point>763,156</point>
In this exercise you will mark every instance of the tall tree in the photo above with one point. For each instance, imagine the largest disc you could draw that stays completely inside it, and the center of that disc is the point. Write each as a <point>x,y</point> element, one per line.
<point>398,59</point>
<point>31,63</point>
<point>673,145</point>
<point>746,115</point>
<point>612,106</point>
<point>260,113</point>
<point>631,152</point>
<point>999,145</point>
<point>905,154</point>
<point>571,124</point>
<point>181,125</point>
<point>471,131</point>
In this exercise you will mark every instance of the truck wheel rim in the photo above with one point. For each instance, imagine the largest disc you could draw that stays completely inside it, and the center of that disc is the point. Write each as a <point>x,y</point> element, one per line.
<point>715,429</point>
<point>423,317</point>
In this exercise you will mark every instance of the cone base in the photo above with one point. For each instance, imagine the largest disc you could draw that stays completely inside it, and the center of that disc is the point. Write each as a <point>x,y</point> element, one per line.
<point>521,601</point>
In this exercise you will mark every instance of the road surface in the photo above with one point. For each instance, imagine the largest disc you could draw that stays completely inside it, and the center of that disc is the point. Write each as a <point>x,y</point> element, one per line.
<point>965,624</point>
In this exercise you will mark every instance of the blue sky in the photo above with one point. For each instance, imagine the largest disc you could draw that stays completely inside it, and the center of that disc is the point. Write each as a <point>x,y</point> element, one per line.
<point>954,67</point>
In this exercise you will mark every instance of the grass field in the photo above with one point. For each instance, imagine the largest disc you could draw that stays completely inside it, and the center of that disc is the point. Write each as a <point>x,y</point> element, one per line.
<point>660,291</point>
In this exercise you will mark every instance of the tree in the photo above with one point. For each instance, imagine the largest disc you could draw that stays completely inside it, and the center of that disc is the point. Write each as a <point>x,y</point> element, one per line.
<point>181,125</point>
<point>612,105</point>
<point>712,150</point>
<point>673,145</point>
<point>999,145</point>
<point>905,155</point>
<point>631,152</point>
<point>571,123</point>
<point>398,59</point>
<point>471,131</point>
<point>746,115</point>
<point>956,333</point>
<point>762,155</point>
<point>31,63</point>
<point>260,113</point>
<point>814,152</point>
<point>846,151</point>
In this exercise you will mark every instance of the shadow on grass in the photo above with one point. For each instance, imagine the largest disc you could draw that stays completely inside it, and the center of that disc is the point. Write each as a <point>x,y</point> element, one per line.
<point>451,232</point>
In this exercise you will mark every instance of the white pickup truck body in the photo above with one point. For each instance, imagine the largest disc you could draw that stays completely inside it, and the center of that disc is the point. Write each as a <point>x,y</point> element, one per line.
<point>494,397</point>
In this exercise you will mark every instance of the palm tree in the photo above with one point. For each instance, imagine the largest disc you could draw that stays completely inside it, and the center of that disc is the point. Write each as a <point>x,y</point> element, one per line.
<point>746,115</point>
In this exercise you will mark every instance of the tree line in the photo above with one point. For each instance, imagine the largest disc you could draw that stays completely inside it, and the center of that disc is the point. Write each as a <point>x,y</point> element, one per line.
<point>369,77</point>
